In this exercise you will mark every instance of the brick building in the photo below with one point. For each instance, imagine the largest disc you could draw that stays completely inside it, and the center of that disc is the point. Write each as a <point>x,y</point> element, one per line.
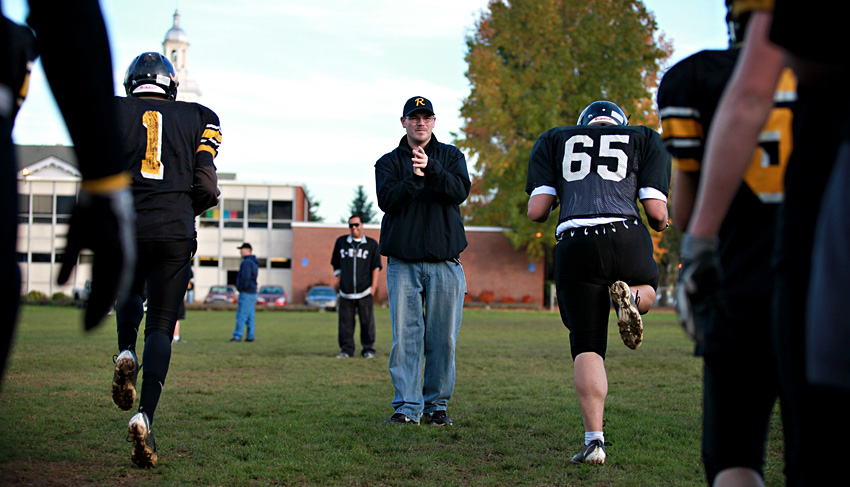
<point>490,263</point>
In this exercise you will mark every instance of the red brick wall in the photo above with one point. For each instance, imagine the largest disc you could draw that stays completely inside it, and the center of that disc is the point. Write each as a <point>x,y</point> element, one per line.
<point>490,263</point>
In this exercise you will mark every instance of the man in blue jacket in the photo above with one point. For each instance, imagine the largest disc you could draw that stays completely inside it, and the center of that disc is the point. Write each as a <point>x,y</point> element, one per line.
<point>246,284</point>
<point>420,185</point>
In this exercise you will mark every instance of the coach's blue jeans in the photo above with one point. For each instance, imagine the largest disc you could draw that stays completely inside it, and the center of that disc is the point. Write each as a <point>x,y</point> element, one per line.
<point>426,307</point>
<point>245,316</point>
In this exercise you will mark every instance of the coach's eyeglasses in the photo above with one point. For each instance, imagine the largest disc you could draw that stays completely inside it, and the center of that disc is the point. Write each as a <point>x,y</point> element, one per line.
<point>352,225</point>
<point>421,119</point>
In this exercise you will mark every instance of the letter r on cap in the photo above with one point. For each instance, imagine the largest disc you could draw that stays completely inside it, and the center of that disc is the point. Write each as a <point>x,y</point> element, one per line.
<point>420,101</point>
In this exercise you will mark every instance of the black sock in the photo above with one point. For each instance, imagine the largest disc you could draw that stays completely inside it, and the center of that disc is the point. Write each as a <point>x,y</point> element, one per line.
<point>128,317</point>
<point>157,356</point>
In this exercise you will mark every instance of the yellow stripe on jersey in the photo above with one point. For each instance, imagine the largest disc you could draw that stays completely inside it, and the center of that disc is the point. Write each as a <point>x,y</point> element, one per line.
<point>207,148</point>
<point>107,184</point>
<point>686,165</point>
<point>212,134</point>
<point>681,128</point>
<point>743,6</point>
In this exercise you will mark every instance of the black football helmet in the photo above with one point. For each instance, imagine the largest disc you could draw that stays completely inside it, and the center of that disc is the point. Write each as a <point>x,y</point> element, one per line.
<point>151,73</point>
<point>600,112</point>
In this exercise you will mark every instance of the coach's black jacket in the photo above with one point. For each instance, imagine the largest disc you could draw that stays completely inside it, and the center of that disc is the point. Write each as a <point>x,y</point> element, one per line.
<point>422,221</point>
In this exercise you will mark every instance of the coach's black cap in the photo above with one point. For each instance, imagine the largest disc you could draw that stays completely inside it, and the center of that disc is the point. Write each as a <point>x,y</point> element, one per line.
<point>417,103</point>
<point>245,245</point>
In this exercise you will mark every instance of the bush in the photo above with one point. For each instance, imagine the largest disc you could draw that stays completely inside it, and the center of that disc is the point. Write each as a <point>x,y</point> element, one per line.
<point>36,297</point>
<point>61,299</point>
<point>487,297</point>
<point>507,299</point>
<point>467,298</point>
<point>527,299</point>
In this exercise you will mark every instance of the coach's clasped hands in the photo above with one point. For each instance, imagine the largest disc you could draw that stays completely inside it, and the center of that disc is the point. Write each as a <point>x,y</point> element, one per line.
<point>105,223</point>
<point>420,161</point>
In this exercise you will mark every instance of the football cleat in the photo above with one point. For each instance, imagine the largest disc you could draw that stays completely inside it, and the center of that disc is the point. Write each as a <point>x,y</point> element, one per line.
<point>628,317</point>
<point>124,379</point>
<point>144,446</point>
<point>593,452</point>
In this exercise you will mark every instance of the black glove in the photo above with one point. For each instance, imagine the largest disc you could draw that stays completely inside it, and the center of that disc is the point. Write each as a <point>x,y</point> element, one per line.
<point>700,280</point>
<point>104,223</point>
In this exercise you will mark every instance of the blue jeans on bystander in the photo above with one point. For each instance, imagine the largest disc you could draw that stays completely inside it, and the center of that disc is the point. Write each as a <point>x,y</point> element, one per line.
<point>245,316</point>
<point>426,307</point>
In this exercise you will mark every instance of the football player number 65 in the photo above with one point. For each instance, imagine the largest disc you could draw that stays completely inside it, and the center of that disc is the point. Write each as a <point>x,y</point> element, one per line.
<point>152,167</point>
<point>584,161</point>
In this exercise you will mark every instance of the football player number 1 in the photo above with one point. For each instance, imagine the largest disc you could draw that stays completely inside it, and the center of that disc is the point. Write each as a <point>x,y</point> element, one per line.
<point>152,167</point>
<point>577,172</point>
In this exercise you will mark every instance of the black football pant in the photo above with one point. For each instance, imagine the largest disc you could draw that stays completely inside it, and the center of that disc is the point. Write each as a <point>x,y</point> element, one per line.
<point>162,272</point>
<point>587,261</point>
<point>364,309</point>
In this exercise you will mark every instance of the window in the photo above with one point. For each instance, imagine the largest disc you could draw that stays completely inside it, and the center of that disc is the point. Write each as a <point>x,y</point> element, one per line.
<point>233,213</point>
<point>281,210</point>
<point>23,208</point>
<point>281,214</point>
<point>64,208</point>
<point>258,213</point>
<point>209,218</point>
<point>208,261</point>
<point>40,257</point>
<point>42,209</point>
<point>281,263</point>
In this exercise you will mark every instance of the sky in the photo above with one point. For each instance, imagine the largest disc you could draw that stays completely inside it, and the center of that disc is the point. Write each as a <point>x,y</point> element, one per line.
<point>310,93</point>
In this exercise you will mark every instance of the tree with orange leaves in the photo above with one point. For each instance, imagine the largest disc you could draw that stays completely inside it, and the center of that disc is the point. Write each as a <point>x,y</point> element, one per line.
<point>534,65</point>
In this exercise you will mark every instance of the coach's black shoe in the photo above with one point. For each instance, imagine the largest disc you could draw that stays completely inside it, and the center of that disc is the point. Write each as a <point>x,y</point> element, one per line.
<point>593,452</point>
<point>438,418</point>
<point>144,445</point>
<point>235,340</point>
<point>628,317</point>
<point>124,379</point>
<point>400,418</point>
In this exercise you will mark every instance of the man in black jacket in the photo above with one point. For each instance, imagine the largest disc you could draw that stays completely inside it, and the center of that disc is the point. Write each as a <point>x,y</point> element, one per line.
<point>420,186</point>
<point>356,262</point>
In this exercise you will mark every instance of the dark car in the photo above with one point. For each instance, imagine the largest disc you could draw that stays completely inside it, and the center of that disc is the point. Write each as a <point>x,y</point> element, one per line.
<point>271,296</point>
<point>321,297</point>
<point>222,295</point>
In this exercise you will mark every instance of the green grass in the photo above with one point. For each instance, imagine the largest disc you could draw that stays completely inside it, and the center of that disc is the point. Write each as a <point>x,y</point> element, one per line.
<point>283,411</point>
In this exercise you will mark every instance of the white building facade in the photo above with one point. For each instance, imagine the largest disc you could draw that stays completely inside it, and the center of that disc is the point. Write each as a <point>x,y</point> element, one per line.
<point>258,213</point>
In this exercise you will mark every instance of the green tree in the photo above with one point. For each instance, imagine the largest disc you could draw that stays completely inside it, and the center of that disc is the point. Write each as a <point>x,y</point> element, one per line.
<point>361,205</point>
<point>313,212</point>
<point>534,65</point>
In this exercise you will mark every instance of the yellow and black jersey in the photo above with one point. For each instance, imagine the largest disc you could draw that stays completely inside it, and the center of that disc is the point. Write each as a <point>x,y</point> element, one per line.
<point>164,143</point>
<point>687,98</point>
<point>597,171</point>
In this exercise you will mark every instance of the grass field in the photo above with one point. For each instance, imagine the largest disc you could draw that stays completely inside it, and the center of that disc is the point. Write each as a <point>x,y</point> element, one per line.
<point>283,411</point>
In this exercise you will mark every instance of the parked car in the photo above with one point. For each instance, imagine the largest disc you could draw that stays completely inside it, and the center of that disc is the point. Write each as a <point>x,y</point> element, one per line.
<point>81,294</point>
<point>222,295</point>
<point>321,297</point>
<point>271,296</point>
